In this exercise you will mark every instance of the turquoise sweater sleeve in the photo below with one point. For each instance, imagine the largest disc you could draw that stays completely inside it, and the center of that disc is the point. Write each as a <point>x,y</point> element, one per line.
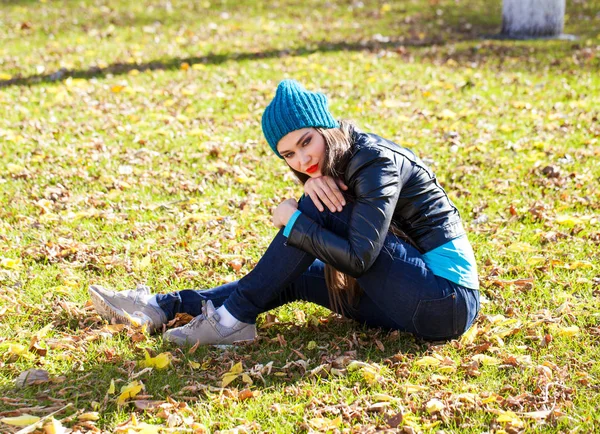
<point>290,223</point>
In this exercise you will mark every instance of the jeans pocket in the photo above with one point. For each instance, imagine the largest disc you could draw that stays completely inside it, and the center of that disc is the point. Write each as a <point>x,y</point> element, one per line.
<point>436,319</point>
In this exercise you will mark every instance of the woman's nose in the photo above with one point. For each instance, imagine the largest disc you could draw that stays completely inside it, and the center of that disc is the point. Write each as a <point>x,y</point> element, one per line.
<point>304,158</point>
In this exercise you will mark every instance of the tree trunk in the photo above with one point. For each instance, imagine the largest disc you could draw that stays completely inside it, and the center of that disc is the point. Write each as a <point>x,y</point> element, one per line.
<point>532,18</point>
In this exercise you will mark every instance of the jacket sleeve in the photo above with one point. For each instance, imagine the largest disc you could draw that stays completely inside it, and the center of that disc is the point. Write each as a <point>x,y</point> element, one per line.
<point>374,179</point>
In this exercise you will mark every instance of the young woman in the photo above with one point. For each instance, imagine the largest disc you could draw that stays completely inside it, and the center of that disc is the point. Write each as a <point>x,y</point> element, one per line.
<point>374,238</point>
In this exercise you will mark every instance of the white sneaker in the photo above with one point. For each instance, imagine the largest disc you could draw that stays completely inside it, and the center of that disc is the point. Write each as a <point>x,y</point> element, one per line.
<point>128,307</point>
<point>206,330</point>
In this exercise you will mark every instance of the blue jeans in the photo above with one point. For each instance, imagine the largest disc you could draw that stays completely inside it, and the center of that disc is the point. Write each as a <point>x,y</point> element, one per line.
<point>399,291</point>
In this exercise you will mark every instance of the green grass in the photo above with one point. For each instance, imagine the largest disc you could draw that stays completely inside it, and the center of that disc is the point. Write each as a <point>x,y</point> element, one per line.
<point>132,153</point>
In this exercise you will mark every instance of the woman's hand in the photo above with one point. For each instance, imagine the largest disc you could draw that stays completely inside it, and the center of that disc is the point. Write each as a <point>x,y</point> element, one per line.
<point>284,211</point>
<point>326,190</point>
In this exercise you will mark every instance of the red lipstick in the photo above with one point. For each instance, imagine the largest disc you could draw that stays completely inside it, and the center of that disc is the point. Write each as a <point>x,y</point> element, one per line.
<point>312,169</point>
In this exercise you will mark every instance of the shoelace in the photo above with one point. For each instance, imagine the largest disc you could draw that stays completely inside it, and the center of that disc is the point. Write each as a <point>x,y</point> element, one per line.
<point>195,323</point>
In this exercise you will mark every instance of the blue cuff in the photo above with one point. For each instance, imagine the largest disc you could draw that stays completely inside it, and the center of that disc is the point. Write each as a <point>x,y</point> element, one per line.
<point>290,223</point>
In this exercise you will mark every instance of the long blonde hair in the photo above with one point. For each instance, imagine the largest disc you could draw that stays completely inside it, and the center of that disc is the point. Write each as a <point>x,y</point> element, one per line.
<point>344,291</point>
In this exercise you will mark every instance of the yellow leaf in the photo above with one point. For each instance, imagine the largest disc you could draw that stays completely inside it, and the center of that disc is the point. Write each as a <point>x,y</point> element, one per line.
<point>90,415</point>
<point>23,420</point>
<point>412,388</point>
<point>428,361</point>
<point>447,114</point>
<point>485,359</point>
<point>447,369</point>
<point>117,88</point>
<point>198,67</point>
<point>246,379</point>
<point>434,406</point>
<point>194,365</point>
<point>385,8</point>
<point>232,374</point>
<point>567,220</point>
<point>322,423</point>
<point>13,168</point>
<point>16,349</point>
<point>521,105</point>
<point>466,397</point>
<point>129,391</point>
<point>489,399</point>
<point>146,428</point>
<point>569,331</point>
<point>237,368</point>
<point>536,260</point>
<point>10,263</point>
<point>196,132</point>
<point>4,76</point>
<point>469,337</point>
<point>162,361</point>
<point>370,375</point>
<point>436,378</point>
<point>578,264</point>
<point>521,247</point>
<point>228,378</point>
<point>382,397</point>
<point>44,331</point>
<point>510,418</point>
<point>54,427</point>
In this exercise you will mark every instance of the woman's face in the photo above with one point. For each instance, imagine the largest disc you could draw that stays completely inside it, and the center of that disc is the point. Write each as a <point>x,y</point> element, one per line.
<point>304,151</point>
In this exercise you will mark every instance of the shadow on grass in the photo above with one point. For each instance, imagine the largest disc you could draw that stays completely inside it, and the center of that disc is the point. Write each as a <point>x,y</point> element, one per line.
<point>289,355</point>
<point>427,37</point>
<point>486,51</point>
<point>210,59</point>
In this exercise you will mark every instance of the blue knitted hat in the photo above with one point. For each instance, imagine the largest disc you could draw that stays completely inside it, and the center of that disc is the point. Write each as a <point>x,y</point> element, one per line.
<point>294,108</point>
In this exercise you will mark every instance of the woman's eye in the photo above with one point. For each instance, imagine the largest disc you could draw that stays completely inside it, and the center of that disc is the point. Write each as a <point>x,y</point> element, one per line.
<point>288,156</point>
<point>307,141</point>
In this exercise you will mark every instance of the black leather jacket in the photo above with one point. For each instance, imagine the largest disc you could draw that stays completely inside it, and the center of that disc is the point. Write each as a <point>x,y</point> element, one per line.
<point>389,183</point>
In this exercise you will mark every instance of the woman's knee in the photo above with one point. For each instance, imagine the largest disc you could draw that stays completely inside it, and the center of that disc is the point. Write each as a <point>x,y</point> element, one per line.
<point>336,222</point>
<point>308,207</point>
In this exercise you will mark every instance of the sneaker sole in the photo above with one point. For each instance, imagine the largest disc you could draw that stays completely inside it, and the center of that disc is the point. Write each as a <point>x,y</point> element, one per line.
<point>218,344</point>
<point>109,311</point>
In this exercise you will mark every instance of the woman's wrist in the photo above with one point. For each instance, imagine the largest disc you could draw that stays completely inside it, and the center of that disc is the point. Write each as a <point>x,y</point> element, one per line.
<point>288,213</point>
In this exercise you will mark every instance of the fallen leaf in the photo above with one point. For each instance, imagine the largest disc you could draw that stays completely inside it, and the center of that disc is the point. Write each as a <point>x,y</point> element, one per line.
<point>412,388</point>
<point>10,263</point>
<point>90,415</point>
<point>428,361</point>
<point>541,414</point>
<point>162,361</point>
<point>54,427</point>
<point>434,406</point>
<point>31,377</point>
<point>510,418</point>
<point>111,388</point>
<point>521,247</point>
<point>469,337</point>
<point>567,220</point>
<point>322,423</point>
<point>129,391</point>
<point>232,374</point>
<point>486,360</point>
<point>23,420</point>
<point>568,331</point>
<point>395,420</point>
<point>245,394</point>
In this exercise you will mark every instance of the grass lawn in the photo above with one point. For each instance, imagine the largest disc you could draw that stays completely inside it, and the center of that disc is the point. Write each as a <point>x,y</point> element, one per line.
<point>131,152</point>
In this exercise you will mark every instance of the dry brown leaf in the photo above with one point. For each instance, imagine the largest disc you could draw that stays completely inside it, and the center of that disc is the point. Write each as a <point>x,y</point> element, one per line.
<point>32,377</point>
